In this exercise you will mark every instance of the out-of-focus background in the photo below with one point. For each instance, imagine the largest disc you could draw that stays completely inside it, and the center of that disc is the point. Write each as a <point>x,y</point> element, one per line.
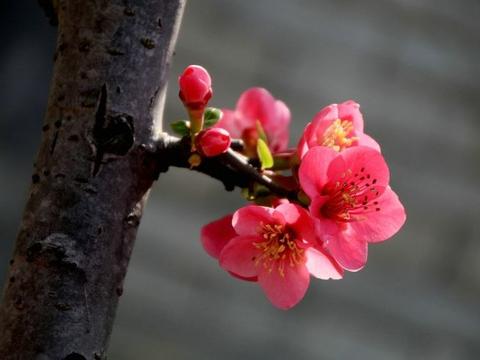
<point>414,65</point>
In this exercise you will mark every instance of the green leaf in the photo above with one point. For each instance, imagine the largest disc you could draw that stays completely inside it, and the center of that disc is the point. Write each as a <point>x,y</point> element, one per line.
<point>181,127</point>
<point>211,116</point>
<point>261,132</point>
<point>264,154</point>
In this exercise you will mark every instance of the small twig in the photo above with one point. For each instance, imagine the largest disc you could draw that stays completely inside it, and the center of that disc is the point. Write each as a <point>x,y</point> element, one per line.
<point>240,163</point>
<point>231,168</point>
<point>237,144</point>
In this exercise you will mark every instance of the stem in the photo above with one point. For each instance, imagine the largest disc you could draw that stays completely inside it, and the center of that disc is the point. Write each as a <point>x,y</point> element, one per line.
<point>241,164</point>
<point>231,168</point>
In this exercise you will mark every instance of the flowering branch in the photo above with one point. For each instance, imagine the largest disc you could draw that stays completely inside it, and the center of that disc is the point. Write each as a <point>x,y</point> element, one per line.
<point>315,207</point>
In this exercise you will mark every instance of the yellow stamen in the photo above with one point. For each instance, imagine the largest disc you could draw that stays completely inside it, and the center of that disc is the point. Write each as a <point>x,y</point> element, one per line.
<point>278,248</point>
<point>337,135</point>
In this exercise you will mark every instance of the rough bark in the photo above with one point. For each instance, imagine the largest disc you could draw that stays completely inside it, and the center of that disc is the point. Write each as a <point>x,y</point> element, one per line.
<point>91,177</point>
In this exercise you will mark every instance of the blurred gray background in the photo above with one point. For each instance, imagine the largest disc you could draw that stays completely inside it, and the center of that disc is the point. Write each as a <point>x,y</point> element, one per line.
<point>414,65</point>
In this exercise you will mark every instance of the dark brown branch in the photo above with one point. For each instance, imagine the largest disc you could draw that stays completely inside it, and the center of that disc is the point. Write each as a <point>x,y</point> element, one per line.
<point>231,168</point>
<point>91,177</point>
<point>237,144</point>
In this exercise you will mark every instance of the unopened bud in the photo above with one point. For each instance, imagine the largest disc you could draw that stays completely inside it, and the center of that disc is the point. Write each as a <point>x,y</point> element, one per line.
<point>213,142</point>
<point>195,87</point>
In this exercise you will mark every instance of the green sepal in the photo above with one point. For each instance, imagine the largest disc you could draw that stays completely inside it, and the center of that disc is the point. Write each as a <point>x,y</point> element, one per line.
<point>181,127</point>
<point>261,190</point>
<point>211,116</point>
<point>264,154</point>
<point>261,132</point>
<point>257,193</point>
<point>303,198</point>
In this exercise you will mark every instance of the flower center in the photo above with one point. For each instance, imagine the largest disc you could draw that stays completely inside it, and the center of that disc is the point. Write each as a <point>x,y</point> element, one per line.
<point>278,249</point>
<point>351,197</point>
<point>338,135</point>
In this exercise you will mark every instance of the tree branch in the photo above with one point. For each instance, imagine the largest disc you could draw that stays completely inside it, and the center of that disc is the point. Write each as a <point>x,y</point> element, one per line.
<point>91,178</point>
<point>231,168</point>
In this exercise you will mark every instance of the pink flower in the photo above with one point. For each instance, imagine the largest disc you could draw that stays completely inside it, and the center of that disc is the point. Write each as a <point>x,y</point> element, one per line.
<point>338,127</point>
<point>275,246</point>
<point>257,104</point>
<point>195,87</point>
<point>213,141</point>
<point>351,201</point>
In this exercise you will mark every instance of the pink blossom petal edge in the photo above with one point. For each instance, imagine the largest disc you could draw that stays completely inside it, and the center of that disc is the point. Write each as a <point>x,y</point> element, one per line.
<point>365,140</point>
<point>248,220</point>
<point>238,256</point>
<point>251,278</point>
<point>313,169</point>
<point>384,223</point>
<point>348,250</point>
<point>286,291</point>
<point>215,235</point>
<point>322,266</point>
<point>350,110</point>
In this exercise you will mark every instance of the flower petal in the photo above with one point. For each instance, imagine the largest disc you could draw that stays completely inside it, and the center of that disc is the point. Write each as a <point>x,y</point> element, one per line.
<point>229,122</point>
<point>327,115</point>
<point>322,266</point>
<point>313,169</point>
<point>350,110</point>
<point>300,221</point>
<point>216,235</point>
<point>362,165</point>
<point>285,291</point>
<point>365,140</point>
<point>349,251</point>
<point>248,220</point>
<point>276,126</point>
<point>256,103</point>
<point>238,256</point>
<point>381,224</point>
<point>320,123</point>
<point>303,145</point>
<point>291,212</point>
<point>252,278</point>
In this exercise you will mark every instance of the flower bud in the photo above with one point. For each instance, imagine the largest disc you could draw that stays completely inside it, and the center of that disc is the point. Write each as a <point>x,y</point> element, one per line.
<point>195,87</point>
<point>213,142</point>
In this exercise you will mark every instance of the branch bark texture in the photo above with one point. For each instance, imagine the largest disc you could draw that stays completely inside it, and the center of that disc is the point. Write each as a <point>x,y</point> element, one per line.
<point>91,177</point>
<point>231,168</point>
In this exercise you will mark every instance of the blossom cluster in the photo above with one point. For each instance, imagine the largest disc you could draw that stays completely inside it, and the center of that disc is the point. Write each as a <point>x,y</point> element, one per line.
<point>339,179</point>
